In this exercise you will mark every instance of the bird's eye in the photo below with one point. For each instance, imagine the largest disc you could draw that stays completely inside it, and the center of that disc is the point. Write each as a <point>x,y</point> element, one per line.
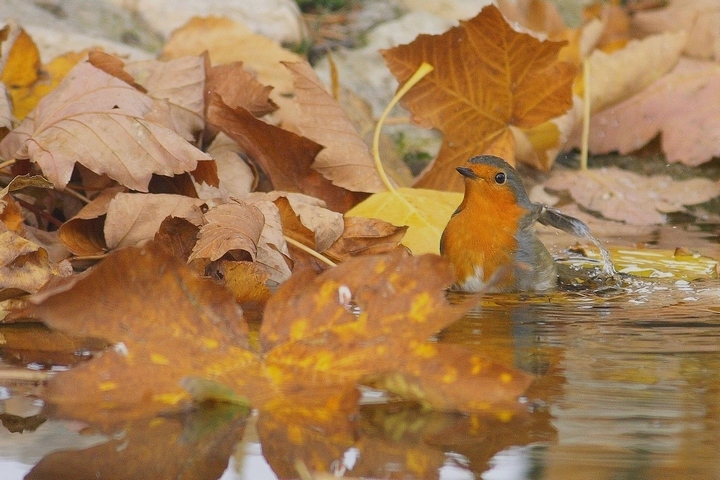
<point>500,178</point>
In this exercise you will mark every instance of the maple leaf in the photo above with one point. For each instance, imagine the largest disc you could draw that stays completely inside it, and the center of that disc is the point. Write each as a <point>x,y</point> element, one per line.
<point>487,78</point>
<point>635,199</point>
<point>680,105</point>
<point>107,115</point>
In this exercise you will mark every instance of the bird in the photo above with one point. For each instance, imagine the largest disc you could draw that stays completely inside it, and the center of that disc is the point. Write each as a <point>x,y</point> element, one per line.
<point>490,240</point>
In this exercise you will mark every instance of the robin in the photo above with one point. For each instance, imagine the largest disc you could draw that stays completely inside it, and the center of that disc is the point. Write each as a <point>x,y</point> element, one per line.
<point>490,239</point>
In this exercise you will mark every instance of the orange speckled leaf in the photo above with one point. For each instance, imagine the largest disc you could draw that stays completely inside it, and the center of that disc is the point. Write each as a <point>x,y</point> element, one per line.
<point>165,323</point>
<point>487,78</point>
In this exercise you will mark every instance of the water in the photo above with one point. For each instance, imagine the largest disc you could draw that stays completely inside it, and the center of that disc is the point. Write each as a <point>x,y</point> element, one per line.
<point>627,387</point>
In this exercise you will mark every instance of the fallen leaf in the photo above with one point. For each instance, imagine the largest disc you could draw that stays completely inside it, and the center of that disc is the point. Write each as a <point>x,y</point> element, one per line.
<point>6,115</point>
<point>83,234</point>
<point>165,323</point>
<point>487,77</point>
<point>635,199</point>
<point>698,18</point>
<point>178,236</point>
<point>236,178</point>
<point>680,106</point>
<point>21,67</point>
<point>365,236</point>
<point>272,249</point>
<point>537,15</point>
<point>285,157</point>
<point>230,228</point>
<point>238,87</point>
<point>346,160</point>
<point>622,73</point>
<point>107,114</point>
<point>134,218</point>
<point>180,82</point>
<point>228,41</point>
<point>310,331</point>
<point>306,219</point>
<point>25,266</point>
<point>424,212</point>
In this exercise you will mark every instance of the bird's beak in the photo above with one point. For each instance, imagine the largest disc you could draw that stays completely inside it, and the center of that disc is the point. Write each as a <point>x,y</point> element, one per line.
<point>466,172</point>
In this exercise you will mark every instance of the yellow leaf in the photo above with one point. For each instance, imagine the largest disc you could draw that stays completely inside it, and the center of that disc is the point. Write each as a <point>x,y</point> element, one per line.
<point>425,212</point>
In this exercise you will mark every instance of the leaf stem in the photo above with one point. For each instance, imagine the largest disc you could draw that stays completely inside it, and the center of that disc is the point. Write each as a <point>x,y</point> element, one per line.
<point>586,116</point>
<point>422,70</point>
<point>6,164</point>
<point>310,251</point>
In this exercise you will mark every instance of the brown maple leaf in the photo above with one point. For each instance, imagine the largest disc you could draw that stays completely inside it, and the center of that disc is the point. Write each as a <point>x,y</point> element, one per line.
<point>487,78</point>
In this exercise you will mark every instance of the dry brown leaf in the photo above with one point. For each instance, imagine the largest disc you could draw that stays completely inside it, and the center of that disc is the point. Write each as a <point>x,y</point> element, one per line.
<point>134,218</point>
<point>107,114</point>
<point>228,41</point>
<point>621,74</point>
<point>635,199</point>
<point>238,88</point>
<point>179,82</point>
<point>178,236</point>
<point>83,234</point>
<point>699,18</point>
<point>272,249</point>
<point>285,157</point>
<point>681,106</point>
<point>346,160</point>
<point>229,228</point>
<point>305,218</point>
<point>366,236</point>
<point>25,266</point>
<point>487,77</point>
<point>236,177</point>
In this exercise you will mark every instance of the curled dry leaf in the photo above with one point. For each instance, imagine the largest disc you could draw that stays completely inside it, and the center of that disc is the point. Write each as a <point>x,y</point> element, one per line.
<point>366,236</point>
<point>487,77</point>
<point>681,106</point>
<point>346,160</point>
<point>305,218</point>
<point>107,114</point>
<point>238,87</point>
<point>165,323</point>
<point>116,219</point>
<point>635,199</point>
<point>229,228</point>
<point>24,266</point>
<point>285,157</point>
<point>272,249</point>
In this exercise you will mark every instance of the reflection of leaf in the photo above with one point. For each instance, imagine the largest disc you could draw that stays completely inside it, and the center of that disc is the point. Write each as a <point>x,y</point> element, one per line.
<point>487,78</point>
<point>193,446</point>
<point>107,115</point>
<point>424,212</point>
<point>636,199</point>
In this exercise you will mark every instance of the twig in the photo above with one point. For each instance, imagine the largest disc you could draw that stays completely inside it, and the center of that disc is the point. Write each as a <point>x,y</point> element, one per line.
<point>310,251</point>
<point>6,164</point>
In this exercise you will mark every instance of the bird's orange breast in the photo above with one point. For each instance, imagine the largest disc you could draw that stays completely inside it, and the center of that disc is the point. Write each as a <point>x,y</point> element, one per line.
<point>480,239</point>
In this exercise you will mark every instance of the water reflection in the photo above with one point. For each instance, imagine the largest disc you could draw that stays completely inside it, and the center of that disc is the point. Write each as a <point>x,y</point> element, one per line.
<point>627,387</point>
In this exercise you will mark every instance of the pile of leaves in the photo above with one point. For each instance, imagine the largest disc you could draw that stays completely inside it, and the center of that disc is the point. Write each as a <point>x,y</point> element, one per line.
<point>225,175</point>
